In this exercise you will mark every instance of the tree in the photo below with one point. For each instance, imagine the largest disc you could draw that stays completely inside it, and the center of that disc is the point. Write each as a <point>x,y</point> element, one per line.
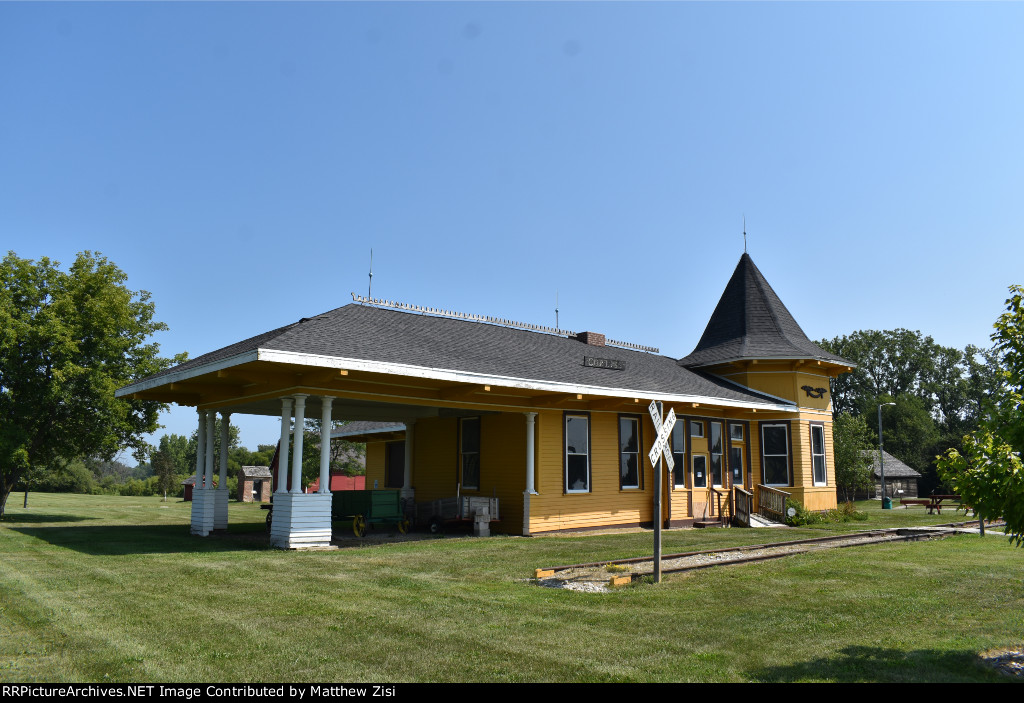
<point>989,477</point>
<point>344,455</point>
<point>164,470</point>
<point>988,474</point>
<point>851,441</point>
<point>68,340</point>
<point>941,392</point>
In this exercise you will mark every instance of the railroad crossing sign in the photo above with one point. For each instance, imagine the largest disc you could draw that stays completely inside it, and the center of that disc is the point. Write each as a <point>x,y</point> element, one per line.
<point>664,430</point>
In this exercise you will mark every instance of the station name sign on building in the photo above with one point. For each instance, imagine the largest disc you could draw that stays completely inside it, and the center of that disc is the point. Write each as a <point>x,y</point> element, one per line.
<point>599,363</point>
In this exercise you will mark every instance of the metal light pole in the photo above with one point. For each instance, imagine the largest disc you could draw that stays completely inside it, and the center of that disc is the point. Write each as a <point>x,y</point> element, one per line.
<point>886,503</point>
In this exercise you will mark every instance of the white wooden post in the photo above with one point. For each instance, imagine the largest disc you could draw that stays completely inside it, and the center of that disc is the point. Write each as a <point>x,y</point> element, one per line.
<point>297,433</point>
<point>200,450</point>
<point>325,444</point>
<point>197,526</point>
<point>407,471</point>
<point>220,508</point>
<point>211,420</point>
<point>530,469</point>
<point>282,454</point>
<point>531,486</point>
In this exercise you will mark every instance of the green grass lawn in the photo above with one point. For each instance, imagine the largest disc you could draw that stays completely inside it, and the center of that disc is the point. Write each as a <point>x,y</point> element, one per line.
<point>101,588</point>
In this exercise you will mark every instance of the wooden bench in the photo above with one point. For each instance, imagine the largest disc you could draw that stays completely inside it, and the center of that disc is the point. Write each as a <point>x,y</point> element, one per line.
<point>915,501</point>
<point>934,503</point>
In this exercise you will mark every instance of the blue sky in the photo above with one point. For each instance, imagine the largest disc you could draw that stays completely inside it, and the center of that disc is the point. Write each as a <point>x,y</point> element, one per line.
<point>239,160</point>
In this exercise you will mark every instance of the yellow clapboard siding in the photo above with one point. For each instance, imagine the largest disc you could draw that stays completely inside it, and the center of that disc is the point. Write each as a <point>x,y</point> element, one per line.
<point>375,453</point>
<point>435,462</point>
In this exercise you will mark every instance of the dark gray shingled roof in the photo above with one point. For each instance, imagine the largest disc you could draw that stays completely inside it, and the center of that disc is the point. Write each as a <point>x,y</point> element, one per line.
<point>894,468</point>
<point>375,334</point>
<point>750,322</point>
<point>357,427</point>
<point>255,472</point>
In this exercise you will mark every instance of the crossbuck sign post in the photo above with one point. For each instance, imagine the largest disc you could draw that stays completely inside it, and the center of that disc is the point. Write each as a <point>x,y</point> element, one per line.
<point>662,447</point>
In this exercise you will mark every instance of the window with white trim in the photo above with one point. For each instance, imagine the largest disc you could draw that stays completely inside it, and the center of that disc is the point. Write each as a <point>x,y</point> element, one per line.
<point>700,471</point>
<point>469,452</point>
<point>818,455</point>
<point>715,448</point>
<point>629,452</point>
<point>679,454</point>
<point>577,454</point>
<point>775,455</point>
<point>696,428</point>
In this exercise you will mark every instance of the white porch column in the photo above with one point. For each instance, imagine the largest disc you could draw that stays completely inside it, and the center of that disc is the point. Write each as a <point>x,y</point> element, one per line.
<point>211,420</point>
<point>531,486</point>
<point>407,476</point>
<point>220,507</point>
<point>282,454</point>
<point>198,496</point>
<point>297,432</point>
<point>530,469</point>
<point>325,444</point>
<point>408,493</point>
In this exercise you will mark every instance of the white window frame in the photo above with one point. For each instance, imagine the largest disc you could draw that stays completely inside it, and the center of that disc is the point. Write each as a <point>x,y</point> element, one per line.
<point>639,463</point>
<point>463,453</point>
<point>565,431</point>
<point>822,455</point>
<point>785,427</point>
<point>693,468</point>
<point>696,425</point>
<point>679,479</point>
<point>735,426</point>
<point>720,453</point>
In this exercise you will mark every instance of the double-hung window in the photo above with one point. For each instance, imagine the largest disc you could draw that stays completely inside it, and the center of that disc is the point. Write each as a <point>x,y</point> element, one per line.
<point>469,452</point>
<point>679,453</point>
<point>577,454</point>
<point>818,455</point>
<point>629,452</point>
<point>775,454</point>
<point>715,449</point>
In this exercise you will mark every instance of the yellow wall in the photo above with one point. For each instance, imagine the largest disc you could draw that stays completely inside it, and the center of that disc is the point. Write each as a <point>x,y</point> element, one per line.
<point>375,453</point>
<point>435,469</point>
<point>503,467</point>
<point>606,503</point>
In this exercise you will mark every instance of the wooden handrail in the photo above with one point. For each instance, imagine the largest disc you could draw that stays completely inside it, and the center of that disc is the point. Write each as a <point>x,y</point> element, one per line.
<point>719,495</point>
<point>744,502</point>
<point>771,502</point>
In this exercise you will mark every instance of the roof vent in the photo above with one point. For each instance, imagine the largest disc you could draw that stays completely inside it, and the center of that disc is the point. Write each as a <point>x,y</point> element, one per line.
<point>594,339</point>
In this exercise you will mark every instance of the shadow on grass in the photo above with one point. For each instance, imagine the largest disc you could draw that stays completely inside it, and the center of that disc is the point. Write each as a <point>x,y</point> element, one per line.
<point>859,664</point>
<point>149,539</point>
<point>21,517</point>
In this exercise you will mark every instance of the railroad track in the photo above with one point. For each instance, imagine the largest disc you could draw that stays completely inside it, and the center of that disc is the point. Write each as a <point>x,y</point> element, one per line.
<point>618,571</point>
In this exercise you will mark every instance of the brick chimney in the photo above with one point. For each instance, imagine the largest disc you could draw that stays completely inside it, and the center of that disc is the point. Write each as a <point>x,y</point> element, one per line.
<point>594,339</point>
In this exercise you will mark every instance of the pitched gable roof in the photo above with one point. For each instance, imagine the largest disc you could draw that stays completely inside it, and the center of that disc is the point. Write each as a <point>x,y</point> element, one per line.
<point>393,341</point>
<point>751,322</point>
<point>894,468</point>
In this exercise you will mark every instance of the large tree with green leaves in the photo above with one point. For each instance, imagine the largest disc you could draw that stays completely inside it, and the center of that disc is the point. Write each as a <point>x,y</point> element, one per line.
<point>851,440</point>
<point>68,340</point>
<point>988,473</point>
<point>941,393</point>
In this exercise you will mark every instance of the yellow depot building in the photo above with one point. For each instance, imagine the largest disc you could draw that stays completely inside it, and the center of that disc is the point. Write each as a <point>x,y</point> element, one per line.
<point>552,423</point>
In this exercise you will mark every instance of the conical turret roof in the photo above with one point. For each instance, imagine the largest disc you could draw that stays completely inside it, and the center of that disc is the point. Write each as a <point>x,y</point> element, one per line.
<point>751,322</point>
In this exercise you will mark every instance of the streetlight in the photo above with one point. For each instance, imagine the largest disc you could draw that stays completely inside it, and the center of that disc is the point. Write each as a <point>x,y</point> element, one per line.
<point>886,503</point>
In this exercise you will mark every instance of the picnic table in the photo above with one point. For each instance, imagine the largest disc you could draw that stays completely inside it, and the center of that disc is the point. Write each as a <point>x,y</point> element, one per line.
<point>933,502</point>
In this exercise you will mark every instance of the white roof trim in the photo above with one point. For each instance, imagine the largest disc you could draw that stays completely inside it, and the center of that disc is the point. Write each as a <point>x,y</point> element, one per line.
<point>335,362</point>
<point>847,364</point>
<point>303,359</point>
<point>396,427</point>
<point>175,376</point>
